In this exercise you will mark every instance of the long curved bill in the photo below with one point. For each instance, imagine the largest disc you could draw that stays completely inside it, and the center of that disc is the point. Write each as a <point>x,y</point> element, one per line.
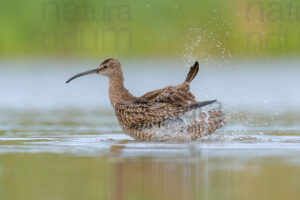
<point>94,71</point>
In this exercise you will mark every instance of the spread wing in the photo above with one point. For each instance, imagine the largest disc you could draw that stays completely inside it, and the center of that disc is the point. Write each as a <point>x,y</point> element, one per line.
<point>175,95</point>
<point>148,113</point>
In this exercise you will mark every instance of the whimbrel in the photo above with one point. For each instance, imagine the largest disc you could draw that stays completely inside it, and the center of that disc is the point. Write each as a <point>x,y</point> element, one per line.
<point>171,113</point>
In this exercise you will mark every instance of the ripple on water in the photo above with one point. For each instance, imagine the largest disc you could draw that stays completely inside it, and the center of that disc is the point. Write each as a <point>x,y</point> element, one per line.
<point>97,133</point>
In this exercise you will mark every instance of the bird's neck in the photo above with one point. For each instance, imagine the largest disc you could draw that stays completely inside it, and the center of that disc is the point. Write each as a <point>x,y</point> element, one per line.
<point>117,91</point>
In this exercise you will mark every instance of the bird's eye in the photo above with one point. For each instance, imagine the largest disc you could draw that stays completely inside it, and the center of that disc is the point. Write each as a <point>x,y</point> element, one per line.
<point>104,67</point>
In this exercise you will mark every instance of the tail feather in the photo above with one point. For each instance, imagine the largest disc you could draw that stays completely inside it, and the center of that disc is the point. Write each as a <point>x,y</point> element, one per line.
<point>192,73</point>
<point>200,104</point>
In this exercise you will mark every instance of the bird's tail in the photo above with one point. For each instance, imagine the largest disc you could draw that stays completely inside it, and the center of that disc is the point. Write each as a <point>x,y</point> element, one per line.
<point>200,104</point>
<point>192,73</point>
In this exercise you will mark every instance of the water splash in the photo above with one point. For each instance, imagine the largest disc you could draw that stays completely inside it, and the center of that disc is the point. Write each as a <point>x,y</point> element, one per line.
<point>197,122</point>
<point>205,43</point>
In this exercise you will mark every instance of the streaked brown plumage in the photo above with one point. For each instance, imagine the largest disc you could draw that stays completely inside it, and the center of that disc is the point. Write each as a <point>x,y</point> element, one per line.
<point>161,114</point>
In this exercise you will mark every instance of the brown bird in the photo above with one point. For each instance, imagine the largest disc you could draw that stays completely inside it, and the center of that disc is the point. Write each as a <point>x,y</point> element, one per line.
<point>171,113</point>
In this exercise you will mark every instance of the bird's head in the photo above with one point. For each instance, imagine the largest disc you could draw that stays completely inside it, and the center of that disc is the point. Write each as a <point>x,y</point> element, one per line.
<point>109,67</point>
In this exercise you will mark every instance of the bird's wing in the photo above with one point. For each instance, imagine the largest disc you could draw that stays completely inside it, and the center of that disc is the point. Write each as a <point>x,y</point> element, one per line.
<point>144,113</point>
<point>148,113</point>
<point>176,95</point>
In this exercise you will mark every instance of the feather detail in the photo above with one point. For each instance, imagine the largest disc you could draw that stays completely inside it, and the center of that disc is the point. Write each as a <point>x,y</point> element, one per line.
<point>192,73</point>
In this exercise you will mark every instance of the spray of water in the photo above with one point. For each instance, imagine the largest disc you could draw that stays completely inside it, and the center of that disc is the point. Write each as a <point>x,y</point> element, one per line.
<point>176,129</point>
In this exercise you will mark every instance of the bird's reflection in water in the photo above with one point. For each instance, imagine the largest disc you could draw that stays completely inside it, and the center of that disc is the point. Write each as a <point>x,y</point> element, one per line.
<point>203,178</point>
<point>153,179</point>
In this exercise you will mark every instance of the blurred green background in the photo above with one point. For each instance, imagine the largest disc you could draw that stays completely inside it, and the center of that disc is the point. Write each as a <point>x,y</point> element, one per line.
<point>171,28</point>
